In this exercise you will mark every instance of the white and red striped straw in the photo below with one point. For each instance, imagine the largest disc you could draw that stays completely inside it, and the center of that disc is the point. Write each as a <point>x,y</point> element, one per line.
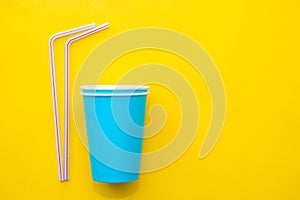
<point>54,91</point>
<point>67,92</point>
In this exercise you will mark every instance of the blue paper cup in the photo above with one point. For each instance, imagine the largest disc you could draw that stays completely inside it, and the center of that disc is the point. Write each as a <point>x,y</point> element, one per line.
<point>115,123</point>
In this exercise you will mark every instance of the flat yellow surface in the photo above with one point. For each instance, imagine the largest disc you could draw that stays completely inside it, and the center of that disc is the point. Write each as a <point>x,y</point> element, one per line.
<point>254,43</point>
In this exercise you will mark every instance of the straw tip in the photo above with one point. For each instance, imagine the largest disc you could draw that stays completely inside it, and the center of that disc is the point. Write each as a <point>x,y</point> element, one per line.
<point>106,24</point>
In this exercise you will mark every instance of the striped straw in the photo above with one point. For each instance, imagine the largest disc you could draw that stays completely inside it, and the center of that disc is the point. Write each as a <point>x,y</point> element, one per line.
<point>54,91</point>
<point>67,92</point>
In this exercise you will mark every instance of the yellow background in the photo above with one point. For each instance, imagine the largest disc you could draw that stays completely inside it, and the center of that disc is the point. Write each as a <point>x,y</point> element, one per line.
<point>255,44</point>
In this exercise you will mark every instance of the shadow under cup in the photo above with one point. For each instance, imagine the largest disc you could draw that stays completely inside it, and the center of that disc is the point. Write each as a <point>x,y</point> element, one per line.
<point>115,124</point>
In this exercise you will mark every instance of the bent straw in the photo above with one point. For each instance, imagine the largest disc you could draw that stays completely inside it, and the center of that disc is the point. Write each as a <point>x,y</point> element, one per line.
<point>67,92</point>
<point>54,91</point>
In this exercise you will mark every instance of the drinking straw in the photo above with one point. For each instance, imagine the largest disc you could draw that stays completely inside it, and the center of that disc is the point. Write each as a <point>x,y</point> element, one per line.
<point>54,91</point>
<point>67,91</point>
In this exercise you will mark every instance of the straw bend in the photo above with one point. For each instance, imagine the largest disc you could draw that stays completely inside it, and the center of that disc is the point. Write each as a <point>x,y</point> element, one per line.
<point>86,33</point>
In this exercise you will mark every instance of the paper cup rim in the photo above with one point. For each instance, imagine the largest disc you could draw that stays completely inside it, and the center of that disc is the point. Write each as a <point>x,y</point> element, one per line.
<point>114,87</point>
